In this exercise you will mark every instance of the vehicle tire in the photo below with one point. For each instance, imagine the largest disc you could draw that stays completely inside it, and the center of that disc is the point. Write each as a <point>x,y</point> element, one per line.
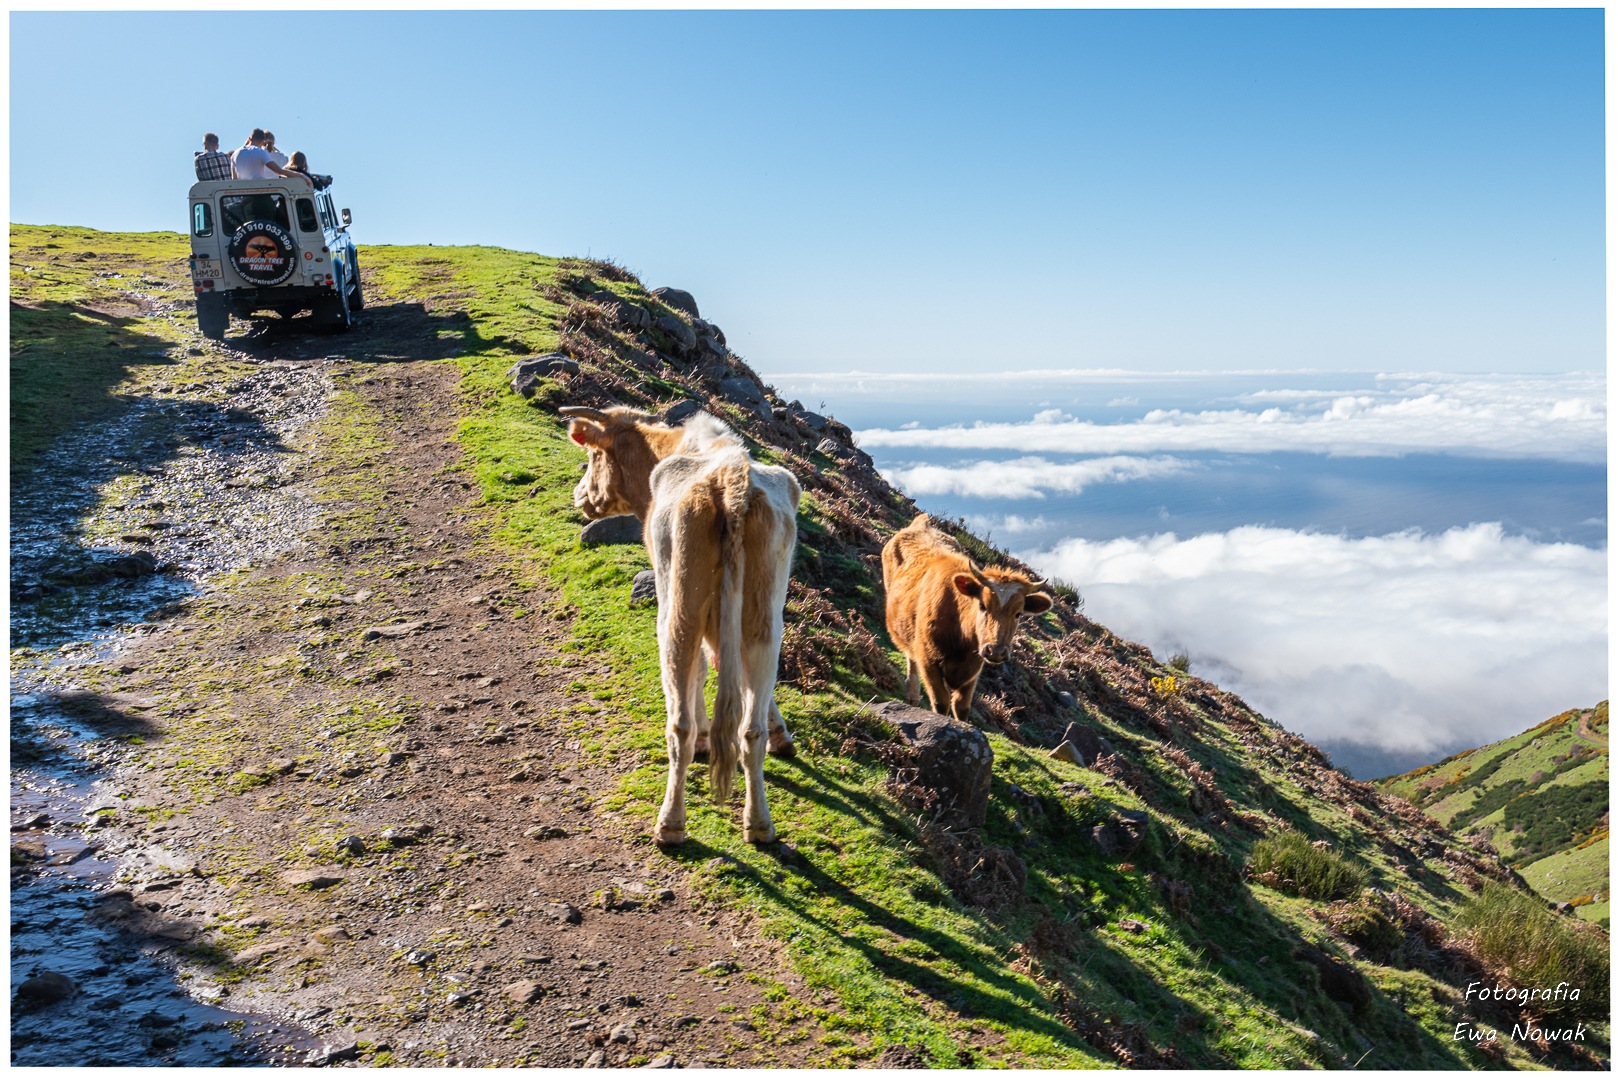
<point>213,317</point>
<point>334,312</point>
<point>356,298</point>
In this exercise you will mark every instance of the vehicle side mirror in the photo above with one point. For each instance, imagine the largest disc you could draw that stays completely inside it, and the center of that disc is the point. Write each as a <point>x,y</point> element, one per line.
<point>348,219</point>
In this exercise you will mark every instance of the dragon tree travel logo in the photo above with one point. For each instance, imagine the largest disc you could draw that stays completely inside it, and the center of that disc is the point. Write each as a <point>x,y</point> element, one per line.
<point>1528,1031</point>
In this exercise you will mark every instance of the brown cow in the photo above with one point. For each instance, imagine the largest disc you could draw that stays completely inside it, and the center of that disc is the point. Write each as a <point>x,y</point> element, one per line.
<point>949,616</point>
<point>720,528</point>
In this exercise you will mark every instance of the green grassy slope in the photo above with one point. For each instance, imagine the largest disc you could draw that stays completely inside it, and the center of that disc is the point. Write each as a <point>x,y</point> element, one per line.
<point>82,323</point>
<point>1540,798</point>
<point>1024,945</point>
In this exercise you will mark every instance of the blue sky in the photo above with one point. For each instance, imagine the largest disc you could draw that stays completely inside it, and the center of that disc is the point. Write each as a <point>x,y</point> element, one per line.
<point>920,191</point>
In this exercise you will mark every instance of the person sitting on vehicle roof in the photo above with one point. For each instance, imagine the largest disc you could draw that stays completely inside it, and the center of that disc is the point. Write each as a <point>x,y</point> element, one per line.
<point>269,146</point>
<point>300,165</point>
<point>253,162</point>
<point>212,163</point>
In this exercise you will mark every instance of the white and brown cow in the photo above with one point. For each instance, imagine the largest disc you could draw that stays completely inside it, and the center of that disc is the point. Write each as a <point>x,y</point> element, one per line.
<point>720,528</point>
<point>949,616</point>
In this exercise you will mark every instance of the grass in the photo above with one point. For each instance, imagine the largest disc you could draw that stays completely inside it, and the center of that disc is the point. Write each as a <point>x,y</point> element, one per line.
<point>1300,869</point>
<point>78,340</point>
<point>1531,948</point>
<point>1097,959</point>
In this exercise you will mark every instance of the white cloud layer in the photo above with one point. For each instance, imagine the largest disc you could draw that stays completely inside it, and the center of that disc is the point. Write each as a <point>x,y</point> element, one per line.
<point>1029,477</point>
<point>1559,417</point>
<point>1409,642</point>
<point>986,525</point>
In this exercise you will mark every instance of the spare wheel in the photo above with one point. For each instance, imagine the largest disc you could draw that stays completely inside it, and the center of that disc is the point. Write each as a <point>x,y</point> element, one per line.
<point>262,253</point>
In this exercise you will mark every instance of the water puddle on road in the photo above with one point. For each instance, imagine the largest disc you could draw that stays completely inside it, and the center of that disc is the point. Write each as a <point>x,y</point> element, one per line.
<point>119,524</point>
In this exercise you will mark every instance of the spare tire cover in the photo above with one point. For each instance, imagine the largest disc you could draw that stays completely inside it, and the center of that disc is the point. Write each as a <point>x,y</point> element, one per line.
<point>262,252</point>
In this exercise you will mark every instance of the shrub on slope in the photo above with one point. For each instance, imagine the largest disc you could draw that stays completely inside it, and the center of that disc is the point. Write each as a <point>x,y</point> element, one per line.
<point>1531,949</point>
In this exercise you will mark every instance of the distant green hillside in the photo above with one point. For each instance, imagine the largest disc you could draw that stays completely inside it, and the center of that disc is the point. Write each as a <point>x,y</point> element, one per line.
<point>1539,797</point>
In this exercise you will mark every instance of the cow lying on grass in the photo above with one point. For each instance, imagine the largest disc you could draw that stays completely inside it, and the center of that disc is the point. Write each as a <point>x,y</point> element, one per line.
<point>948,616</point>
<point>720,528</point>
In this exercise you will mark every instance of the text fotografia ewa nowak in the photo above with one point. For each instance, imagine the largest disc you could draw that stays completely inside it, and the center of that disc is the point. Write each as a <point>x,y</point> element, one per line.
<point>1524,1032</point>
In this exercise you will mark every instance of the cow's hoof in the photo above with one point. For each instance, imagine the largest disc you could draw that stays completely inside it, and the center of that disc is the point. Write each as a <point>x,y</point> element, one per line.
<point>663,837</point>
<point>759,836</point>
<point>700,751</point>
<point>782,747</point>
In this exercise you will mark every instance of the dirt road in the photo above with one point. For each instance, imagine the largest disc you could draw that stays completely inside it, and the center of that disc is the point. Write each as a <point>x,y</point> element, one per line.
<point>356,797</point>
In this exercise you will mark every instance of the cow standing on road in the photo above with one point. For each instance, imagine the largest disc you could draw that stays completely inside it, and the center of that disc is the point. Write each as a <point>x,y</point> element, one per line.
<point>720,528</point>
<point>948,616</point>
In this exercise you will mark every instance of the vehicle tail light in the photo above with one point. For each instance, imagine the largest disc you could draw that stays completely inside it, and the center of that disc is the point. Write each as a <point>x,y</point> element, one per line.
<point>207,284</point>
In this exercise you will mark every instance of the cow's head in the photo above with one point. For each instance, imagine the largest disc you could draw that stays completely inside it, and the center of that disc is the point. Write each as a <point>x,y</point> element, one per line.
<point>605,490</point>
<point>998,598</point>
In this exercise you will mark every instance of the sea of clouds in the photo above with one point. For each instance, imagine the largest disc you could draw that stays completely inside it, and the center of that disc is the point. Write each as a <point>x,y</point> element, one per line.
<point>1411,643</point>
<point>1558,417</point>
<point>1030,477</point>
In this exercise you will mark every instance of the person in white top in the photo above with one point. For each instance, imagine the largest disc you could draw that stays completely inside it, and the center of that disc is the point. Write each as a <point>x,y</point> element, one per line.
<point>253,162</point>
<point>269,145</point>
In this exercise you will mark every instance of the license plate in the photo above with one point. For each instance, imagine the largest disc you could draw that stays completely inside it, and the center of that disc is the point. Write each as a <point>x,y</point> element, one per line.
<point>207,268</point>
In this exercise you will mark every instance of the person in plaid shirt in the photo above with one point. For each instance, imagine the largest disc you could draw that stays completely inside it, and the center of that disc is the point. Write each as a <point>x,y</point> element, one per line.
<point>211,164</point>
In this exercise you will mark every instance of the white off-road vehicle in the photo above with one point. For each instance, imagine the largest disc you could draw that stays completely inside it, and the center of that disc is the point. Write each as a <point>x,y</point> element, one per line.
<point>271,245</point>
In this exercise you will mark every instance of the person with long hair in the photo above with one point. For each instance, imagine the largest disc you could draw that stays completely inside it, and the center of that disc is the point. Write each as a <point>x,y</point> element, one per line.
<point>269,147</point>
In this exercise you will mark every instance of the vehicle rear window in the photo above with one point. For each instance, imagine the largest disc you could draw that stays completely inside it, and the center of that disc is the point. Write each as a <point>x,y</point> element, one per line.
<point>237,210</point>
<point>306,215</point>
<point>202,219</point>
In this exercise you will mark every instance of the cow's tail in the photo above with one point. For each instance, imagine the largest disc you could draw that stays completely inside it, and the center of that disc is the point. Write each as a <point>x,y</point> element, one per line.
<point>732,483</point>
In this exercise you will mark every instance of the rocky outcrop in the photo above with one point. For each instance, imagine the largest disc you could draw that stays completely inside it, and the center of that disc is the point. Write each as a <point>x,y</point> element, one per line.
<point>678,330</point>
<point>624,313</point>
<point>746,393</point>
<point>796,412</point>
<point>1122,835</point>
<point>679,300</point>
<point>527,373</point>
<point>680,412</point>
<point>622,529</point>
<point>951,758</point>
<point>1082,745</point>
<point>644,587</point>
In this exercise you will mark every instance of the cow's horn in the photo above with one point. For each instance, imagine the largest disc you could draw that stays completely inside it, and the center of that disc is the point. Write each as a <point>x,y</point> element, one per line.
<point>584,412</point>
<point>1042,584</point>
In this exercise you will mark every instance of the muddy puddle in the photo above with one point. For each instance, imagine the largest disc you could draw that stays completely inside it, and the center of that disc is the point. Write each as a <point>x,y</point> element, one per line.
<point>120,525</point>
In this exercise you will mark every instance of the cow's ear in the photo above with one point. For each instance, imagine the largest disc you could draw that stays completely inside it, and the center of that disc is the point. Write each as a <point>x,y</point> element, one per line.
<point>586,434</point>
<point>967,585</point>
<point>1036,603</point>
